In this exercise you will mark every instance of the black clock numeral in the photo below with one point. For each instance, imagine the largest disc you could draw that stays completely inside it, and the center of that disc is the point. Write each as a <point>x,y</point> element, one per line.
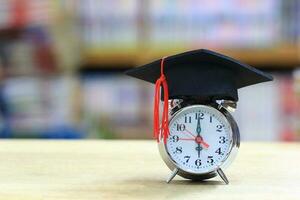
<point>175,138</point>
<point>198,162</point>
<point>187,158</point>
<point>210,119</point>
<point>180,127</point>
<point>222,140</point>
<point>210,159</point>
<point>218,151</point>
<point>178,150</point>
<point>200,114</point>
<point>219,128</point>
<point>187,119</point>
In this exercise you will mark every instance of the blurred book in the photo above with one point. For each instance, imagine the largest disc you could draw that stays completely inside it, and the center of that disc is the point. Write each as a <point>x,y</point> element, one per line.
<point>221,24</point>
<point>108,26</point>
<point>113,103</point>
<point>258,112</point>
<point>22,13</point>
<point>41,107</point>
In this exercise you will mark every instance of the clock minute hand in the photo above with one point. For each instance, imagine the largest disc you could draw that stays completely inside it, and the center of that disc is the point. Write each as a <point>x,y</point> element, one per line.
<point>198,130</point>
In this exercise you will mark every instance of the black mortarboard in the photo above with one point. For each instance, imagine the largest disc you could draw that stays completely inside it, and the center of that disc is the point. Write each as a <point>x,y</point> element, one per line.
<point>201,74</point>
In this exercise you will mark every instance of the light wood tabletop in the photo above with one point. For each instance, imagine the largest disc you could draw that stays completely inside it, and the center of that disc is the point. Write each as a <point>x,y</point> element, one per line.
<point>91,169</point>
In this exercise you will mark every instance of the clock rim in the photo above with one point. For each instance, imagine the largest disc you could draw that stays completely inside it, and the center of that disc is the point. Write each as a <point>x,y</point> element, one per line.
<point>225,163</point>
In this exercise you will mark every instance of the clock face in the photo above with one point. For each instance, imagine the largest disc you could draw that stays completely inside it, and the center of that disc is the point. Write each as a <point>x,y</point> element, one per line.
<point>200,139</point>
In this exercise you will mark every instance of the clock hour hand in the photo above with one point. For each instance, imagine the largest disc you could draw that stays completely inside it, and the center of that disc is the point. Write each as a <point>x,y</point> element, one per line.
<point>199,148</point>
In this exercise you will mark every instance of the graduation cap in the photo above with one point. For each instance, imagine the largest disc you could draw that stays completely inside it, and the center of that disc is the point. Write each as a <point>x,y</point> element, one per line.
<point>199,74</point>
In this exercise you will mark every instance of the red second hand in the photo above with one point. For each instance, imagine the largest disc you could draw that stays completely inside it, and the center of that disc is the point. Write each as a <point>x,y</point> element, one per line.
<point>187,139</point>
<point>190,133</point>
<point>194,139</point>
<point>205,145</point>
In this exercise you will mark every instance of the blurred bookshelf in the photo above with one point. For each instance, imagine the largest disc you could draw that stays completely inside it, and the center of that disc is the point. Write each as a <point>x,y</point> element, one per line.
<point>62,62</point>
<point>263,33</point>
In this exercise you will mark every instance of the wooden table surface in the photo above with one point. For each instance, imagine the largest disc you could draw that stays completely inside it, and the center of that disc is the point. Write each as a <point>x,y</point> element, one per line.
<point>89,169</point>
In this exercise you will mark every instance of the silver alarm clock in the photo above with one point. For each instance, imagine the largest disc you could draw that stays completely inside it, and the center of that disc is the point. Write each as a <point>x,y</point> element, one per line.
<point>203,140</point>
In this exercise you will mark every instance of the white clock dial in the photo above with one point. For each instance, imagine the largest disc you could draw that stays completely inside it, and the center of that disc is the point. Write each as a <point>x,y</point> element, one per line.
<point>200,139</point>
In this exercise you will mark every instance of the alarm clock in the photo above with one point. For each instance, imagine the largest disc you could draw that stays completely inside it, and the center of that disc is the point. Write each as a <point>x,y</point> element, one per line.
<point>196,134</point>
<point>203,140</point>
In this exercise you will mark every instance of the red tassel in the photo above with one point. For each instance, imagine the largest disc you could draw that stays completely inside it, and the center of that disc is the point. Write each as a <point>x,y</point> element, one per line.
<point>161,130</point>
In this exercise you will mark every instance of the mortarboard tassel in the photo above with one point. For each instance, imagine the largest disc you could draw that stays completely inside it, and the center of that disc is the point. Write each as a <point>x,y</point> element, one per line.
<point>162,128</point>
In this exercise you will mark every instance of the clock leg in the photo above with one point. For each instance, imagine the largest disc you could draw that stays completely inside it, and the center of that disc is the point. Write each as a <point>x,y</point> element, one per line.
<point>174,172</point>
<point>222,175</point>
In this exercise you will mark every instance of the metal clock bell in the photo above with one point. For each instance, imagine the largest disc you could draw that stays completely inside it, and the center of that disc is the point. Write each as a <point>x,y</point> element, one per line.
<point>197,136</point>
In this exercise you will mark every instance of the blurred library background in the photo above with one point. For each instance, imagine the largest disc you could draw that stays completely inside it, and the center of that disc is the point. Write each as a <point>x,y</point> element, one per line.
<point>62,63</point>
